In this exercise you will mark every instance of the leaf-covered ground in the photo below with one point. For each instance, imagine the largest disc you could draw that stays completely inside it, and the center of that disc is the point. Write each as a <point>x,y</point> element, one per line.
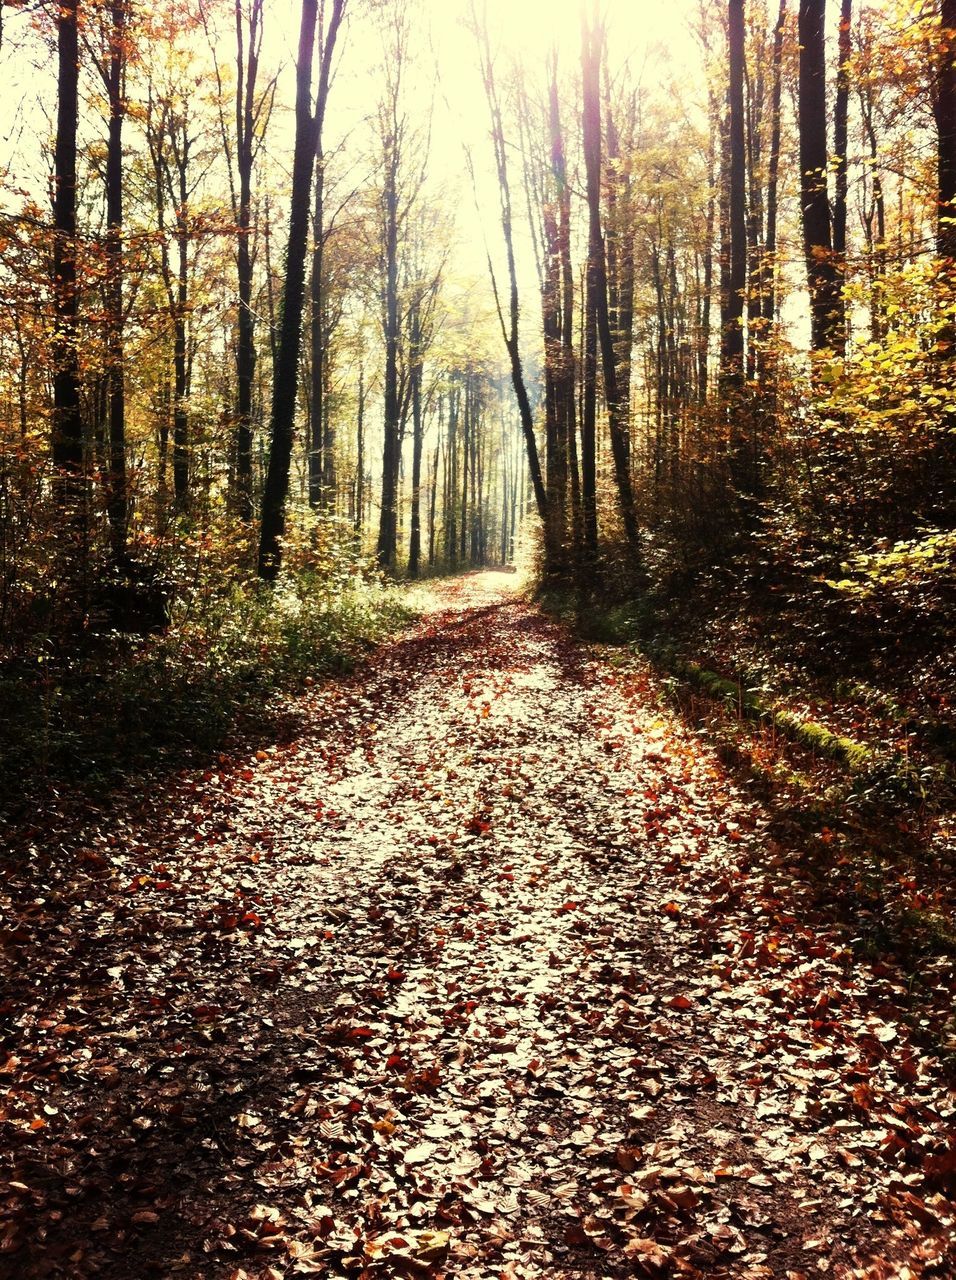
<point>486,971</point>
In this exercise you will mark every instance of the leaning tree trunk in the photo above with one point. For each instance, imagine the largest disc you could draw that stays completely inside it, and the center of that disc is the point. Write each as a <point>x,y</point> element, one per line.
<point>308,128</point>
<point>827,314</point>
<point>67,442</point>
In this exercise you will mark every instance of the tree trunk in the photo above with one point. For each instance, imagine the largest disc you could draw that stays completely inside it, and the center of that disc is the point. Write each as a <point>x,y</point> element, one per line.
<point>733,371</point>
<point>840,114</point>
<point>433,498</point>
<point>360,456</point>
<point>391,448</point>
<point>589,557</point>
<point>67,442</point>
<point>415,373</point>
<point>509,329</point>
<point>117,500</point>
<point>180,351</point>
<point>317,403</point>
<point>559,376</point>
<point>247,72</point>
<point>945,110</point>
<point>451,487</point>
<point>465,472</point>
<point>768,287</point>
<point>827,316</point>
<point>597,287</point>
<point>308,129</point>
<point>754,85</point>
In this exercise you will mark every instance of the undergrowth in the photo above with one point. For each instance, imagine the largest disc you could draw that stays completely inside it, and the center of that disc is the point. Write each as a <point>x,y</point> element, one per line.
<point>111,704</point>
<point>860,811</point>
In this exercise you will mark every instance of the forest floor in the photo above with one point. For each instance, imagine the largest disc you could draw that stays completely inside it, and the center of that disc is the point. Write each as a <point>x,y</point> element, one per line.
<point>482,968</point>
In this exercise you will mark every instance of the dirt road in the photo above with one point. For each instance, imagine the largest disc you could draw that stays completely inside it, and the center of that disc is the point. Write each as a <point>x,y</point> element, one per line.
<point>486,972</point>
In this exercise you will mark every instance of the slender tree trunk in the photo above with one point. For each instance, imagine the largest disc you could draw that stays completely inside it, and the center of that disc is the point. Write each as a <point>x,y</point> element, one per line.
<point>707,287</point>
<point>391,449</point>
<point>876,245</point>
<point>181,448</point>
<point>433,495</point>
<point>734,340</point>
<point>723,257</point>
<point>308,129</point>
<point>827,316</point>
<point>840,115</point>
<point>754,215</point>
<point>509,328</point>
<point>67,442</point>
<point>329,478</point>
<point>597,287</point>
<point>945,110</point>
<point>415,373</point>
<point>317,344</point>
<point>247,73</point>
<point>589,558</point>
<point>451,488</point>
<point>467,427</point>
<point>567,403</point>
<point>556,372</point>
<point>768,285</point>
<point>360,456</point>
<point>620,279</point>
<point>117,501</point>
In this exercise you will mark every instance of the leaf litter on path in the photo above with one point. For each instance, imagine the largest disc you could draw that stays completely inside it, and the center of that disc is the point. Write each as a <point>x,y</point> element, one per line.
<point>489,973</point>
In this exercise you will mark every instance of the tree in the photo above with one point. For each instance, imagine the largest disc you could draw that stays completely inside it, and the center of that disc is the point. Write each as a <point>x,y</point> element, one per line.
<point>733,338</point>
<point>945,112</point>
<point>308,128</point>
<point>422,326</point>
<point>597,285</point>
<point>112,72</point>
<point>827,314</point>
<point>768,259</point>
<point>840,131</point>
<point>67,450</point>
<point>392,124</point>
<point>509,326</point>
<point>248,117</point>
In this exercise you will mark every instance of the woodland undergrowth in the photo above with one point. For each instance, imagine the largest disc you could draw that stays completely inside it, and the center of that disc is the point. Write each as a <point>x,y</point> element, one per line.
<point>828,689</point>
<point>90,704</point>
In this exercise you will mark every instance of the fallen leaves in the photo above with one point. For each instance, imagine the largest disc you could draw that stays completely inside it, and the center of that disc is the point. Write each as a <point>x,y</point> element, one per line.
<point>490,974</point>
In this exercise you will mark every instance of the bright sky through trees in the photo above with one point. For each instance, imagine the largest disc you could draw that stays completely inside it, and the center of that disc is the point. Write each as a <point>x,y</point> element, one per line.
<point>654,40</point>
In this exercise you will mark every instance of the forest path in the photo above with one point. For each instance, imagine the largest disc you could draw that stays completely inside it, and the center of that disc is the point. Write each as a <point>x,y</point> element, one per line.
<point>488,973</point>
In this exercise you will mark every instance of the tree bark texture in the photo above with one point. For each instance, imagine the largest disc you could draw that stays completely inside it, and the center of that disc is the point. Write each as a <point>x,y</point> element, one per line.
<point>827,317</point>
